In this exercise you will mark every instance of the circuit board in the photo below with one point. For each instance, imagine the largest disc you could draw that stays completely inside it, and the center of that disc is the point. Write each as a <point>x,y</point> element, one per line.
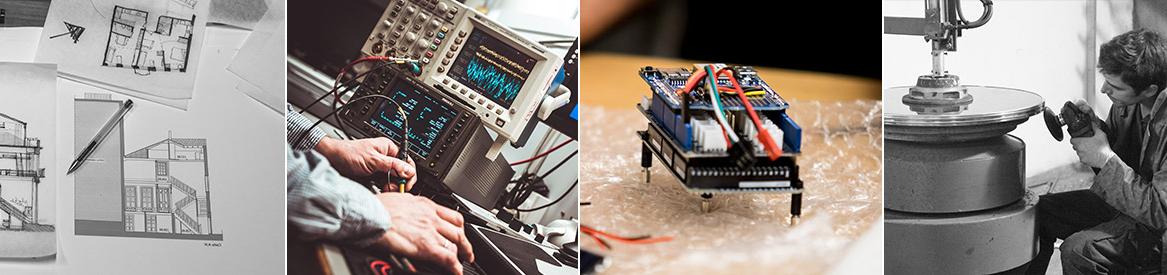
<point>672,112</point>
<point>690,135</point>
<point>666,81</point>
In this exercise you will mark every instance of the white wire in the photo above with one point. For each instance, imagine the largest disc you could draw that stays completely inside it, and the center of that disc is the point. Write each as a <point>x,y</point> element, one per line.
<point>716,100</point>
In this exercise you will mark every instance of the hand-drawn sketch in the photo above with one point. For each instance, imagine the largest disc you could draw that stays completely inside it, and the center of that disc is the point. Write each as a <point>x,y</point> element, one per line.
<point>132,45</point>
<point>188,3</point>
<point>28,154</point>
<point>149,49</point>
<point>74,32</point>
<point>20,177</point>
<point>158,191</point>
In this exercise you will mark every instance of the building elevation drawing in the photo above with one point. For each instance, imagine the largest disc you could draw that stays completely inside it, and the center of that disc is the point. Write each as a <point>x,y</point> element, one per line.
<point>20,177</point>
<point>158,191</point>
<point>144,46</point>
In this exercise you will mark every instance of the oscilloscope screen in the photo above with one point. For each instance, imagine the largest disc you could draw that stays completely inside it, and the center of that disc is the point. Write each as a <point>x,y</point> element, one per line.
<point>492,68</point>
<point>428,117</point>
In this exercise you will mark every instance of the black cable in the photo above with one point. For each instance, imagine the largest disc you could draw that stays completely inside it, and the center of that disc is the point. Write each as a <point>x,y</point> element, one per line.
<point>347,84</point>
<point>522,193</point>
<point>405,119</point>
<point>985,16</point>
<point>560,164</point>
<point>523,187</point>
<point>573,184</point>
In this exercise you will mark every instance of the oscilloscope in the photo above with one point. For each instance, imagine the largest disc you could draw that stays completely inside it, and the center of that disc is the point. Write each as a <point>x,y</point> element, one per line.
<point>498,75</point>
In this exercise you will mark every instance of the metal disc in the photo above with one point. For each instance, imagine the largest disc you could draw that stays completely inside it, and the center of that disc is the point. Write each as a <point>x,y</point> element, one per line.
<point>1053,123</point>
<point>990,105</point>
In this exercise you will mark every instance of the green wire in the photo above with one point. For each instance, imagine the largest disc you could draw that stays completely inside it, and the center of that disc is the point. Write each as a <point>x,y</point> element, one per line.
<point>716,100</point>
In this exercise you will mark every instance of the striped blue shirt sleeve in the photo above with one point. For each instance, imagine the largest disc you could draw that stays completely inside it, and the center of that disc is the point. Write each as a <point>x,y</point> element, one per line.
<point>297,126</point>
<point>324,205</point>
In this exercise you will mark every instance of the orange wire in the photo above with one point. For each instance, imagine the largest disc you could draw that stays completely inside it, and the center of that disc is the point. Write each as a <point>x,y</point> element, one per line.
<point>593,231</point>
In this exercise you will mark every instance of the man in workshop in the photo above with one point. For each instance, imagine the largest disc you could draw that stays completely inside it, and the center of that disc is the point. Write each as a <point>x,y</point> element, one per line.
<point>1117,226</point>
<point>324,204</point>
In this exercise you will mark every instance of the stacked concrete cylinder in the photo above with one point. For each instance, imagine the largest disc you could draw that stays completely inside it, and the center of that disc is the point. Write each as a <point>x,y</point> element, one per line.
<point>955,187</point>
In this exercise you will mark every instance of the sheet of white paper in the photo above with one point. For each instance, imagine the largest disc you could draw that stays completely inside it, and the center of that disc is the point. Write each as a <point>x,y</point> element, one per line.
<point>140,47</point>
<point>30,170</point>
<point>266,42</point>
<point>18,44</point>
<point>246,190</point>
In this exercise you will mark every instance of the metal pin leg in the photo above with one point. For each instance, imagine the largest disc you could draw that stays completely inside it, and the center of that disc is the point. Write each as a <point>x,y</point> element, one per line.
<point>795,208</point>
<point>646,162</point>
<point>706,202</point>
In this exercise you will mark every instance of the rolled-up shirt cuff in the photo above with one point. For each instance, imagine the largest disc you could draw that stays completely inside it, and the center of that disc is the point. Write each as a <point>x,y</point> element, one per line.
<point>326,206</point>
<point>298,125</point>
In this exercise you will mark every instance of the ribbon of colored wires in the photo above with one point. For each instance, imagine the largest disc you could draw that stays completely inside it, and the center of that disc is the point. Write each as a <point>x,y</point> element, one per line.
<point>716,101</point>
<point>771,148</point>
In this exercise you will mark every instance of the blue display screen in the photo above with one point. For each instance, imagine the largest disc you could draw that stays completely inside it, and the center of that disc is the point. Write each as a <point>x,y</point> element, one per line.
<point>428,117</point>
<point>492,68</point>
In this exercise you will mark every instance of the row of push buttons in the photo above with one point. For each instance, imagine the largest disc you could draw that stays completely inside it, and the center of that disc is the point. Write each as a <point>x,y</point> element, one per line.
<point>474,97</point>
<point>450,139</point>
<point>453,48</point>
<point>412,41</point>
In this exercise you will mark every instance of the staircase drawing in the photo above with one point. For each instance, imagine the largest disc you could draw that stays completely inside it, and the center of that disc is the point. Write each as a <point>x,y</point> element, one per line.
<point>172,174</point>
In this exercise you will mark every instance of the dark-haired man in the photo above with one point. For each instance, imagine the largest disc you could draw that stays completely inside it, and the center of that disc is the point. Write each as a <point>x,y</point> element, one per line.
<point>1115,227</point>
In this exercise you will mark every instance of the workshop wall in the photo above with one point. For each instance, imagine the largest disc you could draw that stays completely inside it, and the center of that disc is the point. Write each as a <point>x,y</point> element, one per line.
<point>1054,56</point>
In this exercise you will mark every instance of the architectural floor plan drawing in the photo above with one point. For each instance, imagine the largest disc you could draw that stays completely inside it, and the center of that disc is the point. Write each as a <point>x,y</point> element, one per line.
<point>20,177</point>
<point>158,191</point>
<point>147,46</point>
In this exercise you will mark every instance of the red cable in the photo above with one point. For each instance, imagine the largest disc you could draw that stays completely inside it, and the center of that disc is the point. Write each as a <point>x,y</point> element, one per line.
<point>336,94</point>
<point>593,231</point>
<point>692,81</point>
<point>603,245</point>
<point>542,154</point>
<point>764,136</point>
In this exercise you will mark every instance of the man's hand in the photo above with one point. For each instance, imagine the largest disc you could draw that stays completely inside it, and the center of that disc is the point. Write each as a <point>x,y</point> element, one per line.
<point>364,157</point>
<point>425,230</point>
<point>1093,150</point>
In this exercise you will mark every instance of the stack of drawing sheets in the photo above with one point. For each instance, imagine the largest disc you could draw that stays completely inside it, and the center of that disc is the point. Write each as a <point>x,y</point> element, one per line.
<point>145,48</point>
<point>266,42</point>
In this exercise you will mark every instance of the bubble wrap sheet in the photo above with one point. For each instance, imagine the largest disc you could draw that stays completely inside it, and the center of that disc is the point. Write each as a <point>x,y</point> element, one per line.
<point>841,166</point>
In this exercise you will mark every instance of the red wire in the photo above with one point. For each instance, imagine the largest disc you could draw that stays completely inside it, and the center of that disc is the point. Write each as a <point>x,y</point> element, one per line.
<point>618,238</point>
<point>691,83</point>
<point>542,154</point>
<point>763,135</point>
